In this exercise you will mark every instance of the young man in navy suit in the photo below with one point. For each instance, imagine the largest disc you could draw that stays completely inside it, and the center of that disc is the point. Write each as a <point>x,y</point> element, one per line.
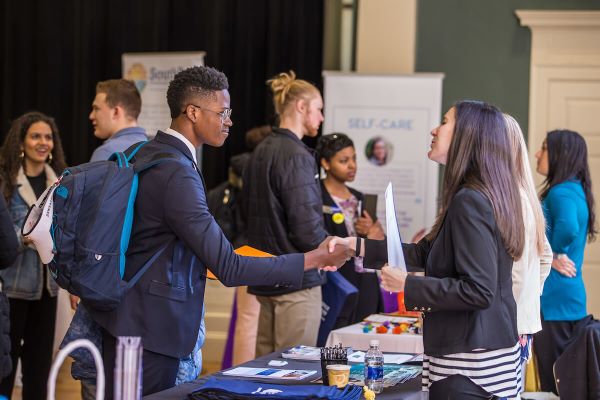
<point>172,217</point>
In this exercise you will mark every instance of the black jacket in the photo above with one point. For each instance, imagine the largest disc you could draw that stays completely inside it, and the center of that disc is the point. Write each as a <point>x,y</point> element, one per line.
<point>9,243</point>
<point>577,370</point>
<point>369,295</point>
<point>283,203</point>
<point>466,295</point>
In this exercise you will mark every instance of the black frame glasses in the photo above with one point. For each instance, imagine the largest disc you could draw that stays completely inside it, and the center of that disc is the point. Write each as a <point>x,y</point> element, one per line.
<point>225,114</point>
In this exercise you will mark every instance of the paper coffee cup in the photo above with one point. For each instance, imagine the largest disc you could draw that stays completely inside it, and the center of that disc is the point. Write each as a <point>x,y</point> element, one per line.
<point>338,375</point>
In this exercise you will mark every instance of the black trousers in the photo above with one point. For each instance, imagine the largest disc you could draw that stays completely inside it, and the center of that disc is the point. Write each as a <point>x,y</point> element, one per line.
<point>549,344</point>
<point>32,323</point>
<point>457,387</point>
<point>159,372</point>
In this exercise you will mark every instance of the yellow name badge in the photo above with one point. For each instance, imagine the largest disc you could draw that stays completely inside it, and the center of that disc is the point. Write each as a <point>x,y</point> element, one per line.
<point>338,218</point>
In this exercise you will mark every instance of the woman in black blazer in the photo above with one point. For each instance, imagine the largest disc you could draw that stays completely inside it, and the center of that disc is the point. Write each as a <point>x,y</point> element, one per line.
<point>341,217</point>
<point>470,333</point>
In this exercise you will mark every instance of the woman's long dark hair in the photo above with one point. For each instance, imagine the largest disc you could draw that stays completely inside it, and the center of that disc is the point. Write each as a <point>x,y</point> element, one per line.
<point>480,158</point>
<point>568,159</point>
<point>10,153</point>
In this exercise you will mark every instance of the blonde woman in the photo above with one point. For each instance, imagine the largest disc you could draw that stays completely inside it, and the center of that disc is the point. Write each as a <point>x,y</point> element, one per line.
<point>531,270</point>
<point>284,213</point>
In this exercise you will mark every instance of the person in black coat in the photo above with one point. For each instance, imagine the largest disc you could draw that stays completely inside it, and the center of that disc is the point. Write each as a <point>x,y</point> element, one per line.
<point>283,203</point>
<point>9,245</point>
<point>341,216</point>
<point>470,325</point>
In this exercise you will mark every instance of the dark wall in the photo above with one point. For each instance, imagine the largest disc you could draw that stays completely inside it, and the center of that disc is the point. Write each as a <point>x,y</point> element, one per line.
<point>52,53</point>
<point>482,49</point>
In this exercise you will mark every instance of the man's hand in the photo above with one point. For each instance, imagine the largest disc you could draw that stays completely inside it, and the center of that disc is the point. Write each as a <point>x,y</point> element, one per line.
<point>393,279</point>
<point>326,257</point>
<point>74,301</point>
<point>564,265</point>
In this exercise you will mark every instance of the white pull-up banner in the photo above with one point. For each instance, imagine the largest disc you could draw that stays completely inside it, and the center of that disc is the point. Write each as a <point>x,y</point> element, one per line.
<point>389,118</point>
<point>152,73</point>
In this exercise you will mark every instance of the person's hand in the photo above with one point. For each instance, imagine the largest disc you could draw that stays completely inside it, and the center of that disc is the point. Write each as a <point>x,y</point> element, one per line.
<point>328,257</point>
<point>27,241</point>
<point>393,279</point>
<point>347,241</point>
<point>74,301</point>
<point>363,224</point>
<point>564,265</point>
<point>376,231</point>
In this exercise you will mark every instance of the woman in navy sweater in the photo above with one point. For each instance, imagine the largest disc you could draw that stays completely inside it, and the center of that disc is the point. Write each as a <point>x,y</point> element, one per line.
<point>568,205</point>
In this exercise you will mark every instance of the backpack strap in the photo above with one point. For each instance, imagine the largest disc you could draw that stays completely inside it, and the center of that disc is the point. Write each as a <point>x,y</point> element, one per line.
<point>156,159</point>
<point>144,268</point>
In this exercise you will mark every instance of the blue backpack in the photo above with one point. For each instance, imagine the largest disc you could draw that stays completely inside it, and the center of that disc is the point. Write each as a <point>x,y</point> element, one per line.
<point>93,215</point>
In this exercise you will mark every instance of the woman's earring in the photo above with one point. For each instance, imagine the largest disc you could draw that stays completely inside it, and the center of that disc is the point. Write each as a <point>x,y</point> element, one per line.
<point>49,158</point>
<point>22,154</point>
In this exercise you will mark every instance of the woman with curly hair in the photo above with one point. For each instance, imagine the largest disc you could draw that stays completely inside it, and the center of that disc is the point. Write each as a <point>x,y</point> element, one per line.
<point>30,160</point>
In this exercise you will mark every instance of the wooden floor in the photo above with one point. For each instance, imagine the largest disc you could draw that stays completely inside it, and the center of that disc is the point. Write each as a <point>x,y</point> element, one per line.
<point>69,389</point>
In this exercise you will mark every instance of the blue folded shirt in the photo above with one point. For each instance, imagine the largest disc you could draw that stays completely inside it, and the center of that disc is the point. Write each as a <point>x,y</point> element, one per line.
<point>216,388</point>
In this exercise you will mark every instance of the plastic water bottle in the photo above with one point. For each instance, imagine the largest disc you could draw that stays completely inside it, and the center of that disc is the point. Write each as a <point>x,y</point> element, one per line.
<point>374,367</point>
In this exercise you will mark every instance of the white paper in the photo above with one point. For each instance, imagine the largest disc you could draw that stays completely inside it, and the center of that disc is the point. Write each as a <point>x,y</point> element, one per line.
<point>380,319</point>
<point>359,357</point>
<point>303,353</point>
<point>270,373</point>
<point>394,242</point>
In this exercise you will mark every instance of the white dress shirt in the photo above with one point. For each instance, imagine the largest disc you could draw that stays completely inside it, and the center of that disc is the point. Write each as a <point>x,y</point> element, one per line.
<point>189,144</point>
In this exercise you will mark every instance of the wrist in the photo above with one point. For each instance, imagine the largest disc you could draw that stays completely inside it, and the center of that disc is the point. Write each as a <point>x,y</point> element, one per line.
<point>358,246</point>
<point>556,256</point>
<point>310,260</point>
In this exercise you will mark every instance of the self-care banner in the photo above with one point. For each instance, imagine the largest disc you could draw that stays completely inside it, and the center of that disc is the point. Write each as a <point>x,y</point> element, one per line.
<point>389,118</point>
<point>152,73</point>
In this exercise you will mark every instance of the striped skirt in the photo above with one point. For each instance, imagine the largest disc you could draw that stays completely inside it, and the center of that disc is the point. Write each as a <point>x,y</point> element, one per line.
<point>498,372</point>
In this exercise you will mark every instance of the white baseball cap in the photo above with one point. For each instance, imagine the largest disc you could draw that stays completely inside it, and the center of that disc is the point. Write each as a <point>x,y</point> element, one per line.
<point>38,223</point>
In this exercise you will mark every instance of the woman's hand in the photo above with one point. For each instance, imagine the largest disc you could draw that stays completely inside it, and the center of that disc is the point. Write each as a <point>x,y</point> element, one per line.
<point>364,224</point>
<point>393,279</point>
<point>376,231</point>
<point>347,241</point>
<point>564,265</point>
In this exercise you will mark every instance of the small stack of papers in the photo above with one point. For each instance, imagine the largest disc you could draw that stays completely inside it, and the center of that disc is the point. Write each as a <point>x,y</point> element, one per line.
<point>303,353</point>
<point>270,373</point>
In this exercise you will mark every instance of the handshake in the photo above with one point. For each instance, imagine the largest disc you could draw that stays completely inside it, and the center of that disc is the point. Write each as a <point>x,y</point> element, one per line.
<point>331,254</point>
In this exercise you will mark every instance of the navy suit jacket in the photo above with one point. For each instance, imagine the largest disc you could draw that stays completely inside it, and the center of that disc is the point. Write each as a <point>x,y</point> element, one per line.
<point>165,306</point>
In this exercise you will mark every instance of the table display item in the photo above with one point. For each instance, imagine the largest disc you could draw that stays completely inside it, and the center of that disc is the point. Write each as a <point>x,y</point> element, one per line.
<point>128,368</point>
<point>383,324</point>
<point>303,353</point>
<point>270,373</point>
<point>333,355</point>
<point>374,367</point>
<point>392,374</point>
<point>338,375</point>
<point>230,389</point>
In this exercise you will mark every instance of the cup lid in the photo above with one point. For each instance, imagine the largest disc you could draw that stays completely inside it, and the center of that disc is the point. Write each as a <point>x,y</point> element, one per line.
<point>339,367</point>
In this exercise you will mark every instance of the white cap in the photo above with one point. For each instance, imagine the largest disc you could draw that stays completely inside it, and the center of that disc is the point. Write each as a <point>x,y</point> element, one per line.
<point>374,343</point>
<point>38,222</point>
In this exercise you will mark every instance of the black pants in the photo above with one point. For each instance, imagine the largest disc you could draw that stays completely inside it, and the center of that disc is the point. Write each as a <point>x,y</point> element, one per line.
<point>159,371</point>
<point>548,345</point>
<point>457,387</point>
<point>32,322</point>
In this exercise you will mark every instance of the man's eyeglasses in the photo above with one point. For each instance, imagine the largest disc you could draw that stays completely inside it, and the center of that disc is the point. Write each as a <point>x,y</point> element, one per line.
<point>225,114</point>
